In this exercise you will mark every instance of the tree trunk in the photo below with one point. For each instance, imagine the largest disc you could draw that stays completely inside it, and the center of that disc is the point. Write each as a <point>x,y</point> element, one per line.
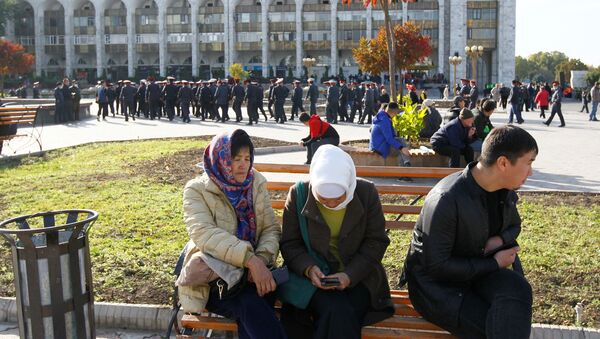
<point>1,87</point>
<point>391,47</point>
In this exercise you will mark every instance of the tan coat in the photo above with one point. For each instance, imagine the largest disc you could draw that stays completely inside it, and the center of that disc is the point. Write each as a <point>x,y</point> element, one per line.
<point>212,225</point>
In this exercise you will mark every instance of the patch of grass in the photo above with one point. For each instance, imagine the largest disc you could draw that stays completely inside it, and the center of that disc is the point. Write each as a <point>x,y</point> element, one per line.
<point>137,188</point>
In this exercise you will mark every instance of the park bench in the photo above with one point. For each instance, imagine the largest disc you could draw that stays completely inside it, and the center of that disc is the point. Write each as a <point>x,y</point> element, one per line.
<point>11,117</point>
<point>406,322</point>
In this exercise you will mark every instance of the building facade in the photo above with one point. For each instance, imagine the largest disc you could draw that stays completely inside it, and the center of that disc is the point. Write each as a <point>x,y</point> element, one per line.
<point>201,38</point>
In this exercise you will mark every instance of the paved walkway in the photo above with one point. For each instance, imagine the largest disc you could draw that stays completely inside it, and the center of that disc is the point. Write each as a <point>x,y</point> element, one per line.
<point>567,160</point>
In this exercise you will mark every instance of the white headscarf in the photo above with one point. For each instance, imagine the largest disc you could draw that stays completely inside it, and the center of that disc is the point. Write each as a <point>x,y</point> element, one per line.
<point>332,173</point>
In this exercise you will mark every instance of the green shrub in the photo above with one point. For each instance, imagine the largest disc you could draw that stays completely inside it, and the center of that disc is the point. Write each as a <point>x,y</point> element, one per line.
<point>409,122</point>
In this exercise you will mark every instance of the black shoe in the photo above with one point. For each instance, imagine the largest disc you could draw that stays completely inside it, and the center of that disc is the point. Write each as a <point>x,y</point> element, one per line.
<point>249,124</point>
<point>407,179</point>
<point>563,125</point>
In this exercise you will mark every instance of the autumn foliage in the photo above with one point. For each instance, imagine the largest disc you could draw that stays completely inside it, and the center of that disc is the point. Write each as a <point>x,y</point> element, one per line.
<point>411,47</point>
<point>13,59</point>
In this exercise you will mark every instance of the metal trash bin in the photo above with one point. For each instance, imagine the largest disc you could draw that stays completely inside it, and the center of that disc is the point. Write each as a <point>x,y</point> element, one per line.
<point>52,273</point>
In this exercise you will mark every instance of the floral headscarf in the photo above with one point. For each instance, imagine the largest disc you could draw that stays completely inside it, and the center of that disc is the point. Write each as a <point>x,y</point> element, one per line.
<point>217,164</point>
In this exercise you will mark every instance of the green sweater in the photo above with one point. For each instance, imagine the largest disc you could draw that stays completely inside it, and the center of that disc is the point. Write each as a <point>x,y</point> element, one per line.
<point>334,220</point>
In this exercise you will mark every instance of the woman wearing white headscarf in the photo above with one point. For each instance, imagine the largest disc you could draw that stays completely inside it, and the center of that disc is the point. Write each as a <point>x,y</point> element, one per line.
<point>346,229</point>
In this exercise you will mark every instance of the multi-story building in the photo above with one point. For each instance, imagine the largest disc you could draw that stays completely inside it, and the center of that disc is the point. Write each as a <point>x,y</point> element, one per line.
<point>194,38</point>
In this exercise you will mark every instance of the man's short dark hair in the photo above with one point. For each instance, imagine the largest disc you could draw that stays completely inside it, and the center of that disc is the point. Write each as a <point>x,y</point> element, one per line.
<point>509,141</point>
<point>240,139</point>
<point>393,105</point>
<point>488,105</point>
<point>304,117</point>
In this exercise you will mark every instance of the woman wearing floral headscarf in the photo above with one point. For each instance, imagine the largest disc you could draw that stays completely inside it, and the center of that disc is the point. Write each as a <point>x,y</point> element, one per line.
<point>346,230</point>
<point>228,216</point>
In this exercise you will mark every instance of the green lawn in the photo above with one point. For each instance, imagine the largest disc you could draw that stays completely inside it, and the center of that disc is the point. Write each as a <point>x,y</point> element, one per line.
<point>137,186</point>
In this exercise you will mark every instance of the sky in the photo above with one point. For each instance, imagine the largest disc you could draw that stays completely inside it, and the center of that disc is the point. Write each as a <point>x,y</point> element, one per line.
<point>559,25</point>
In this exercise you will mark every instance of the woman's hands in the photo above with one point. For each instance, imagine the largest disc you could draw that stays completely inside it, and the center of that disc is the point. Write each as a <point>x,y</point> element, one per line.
<point>260,275</point>
<point>315,275</point>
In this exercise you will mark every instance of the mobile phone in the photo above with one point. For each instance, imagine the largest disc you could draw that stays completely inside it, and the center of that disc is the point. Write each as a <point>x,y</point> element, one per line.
<point>330,281</point>
<point>280,275</point>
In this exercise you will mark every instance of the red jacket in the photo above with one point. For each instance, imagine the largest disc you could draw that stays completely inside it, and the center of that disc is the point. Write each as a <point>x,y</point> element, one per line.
<point>542,98</point>
<point>317,126</point>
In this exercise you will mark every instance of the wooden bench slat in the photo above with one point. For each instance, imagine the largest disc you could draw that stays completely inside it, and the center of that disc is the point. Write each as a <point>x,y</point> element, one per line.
<point>399,225</point>
<point>10,114</point>
<point>408,322</point>
<point>20,117</point>
<point>208,322</point>
<point>396,333</point>
<point>366,171</point>
<point>20,121</point>
<point>382,189</point>
<point>392,209</point>
<point>16,109</point>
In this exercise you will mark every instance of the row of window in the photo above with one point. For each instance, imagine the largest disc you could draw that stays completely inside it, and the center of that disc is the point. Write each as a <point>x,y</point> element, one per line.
<point>481,14</point>
<point>481,33</point>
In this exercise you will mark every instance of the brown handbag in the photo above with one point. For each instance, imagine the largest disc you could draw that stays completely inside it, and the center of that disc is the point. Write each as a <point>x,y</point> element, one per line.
<point>196,272</point>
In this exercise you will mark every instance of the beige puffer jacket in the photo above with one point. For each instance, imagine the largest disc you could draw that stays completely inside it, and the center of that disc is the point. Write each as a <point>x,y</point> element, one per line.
<point>212,224</point>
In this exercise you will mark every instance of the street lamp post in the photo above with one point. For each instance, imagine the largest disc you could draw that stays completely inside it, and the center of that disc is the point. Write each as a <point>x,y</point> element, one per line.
<point>474,52</point>
<point>455,60</point>
<point>309,63</point>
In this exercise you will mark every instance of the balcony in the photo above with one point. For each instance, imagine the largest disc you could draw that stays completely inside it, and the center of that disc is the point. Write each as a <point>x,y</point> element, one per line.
<point>212,10</point>
<point>211,28</point>
<point>144,29</point>
<point>110,39</point>
<point>482,4</point>
<point>317,45</point>
<point>179,28</point>
<point>282,45</point>
<point>347,44</point>
<point>84,39</point>
<point>115,29</point>
<point>248,9</point>
<point>117,49</point>
<point>486,43</point>
<point>85,49</point>
<point>26,40</point>
<point>316,25</point>
<point>356,6</point>
<point>55,49</point>
<point>350,25</point>
<point>212,47</point>
<point>90,30</point>
<point>282,26</point>
<point>482,23</point>
<point>422,5</point>
<point>179,47</point>
<point>248,27</point>
<point>179,38</point>
<point>51,40</point>
<point>316,8</point>
<point>146,38</point>
<point>248,46</point>
<point>282,8</point>
<point>146,48</point>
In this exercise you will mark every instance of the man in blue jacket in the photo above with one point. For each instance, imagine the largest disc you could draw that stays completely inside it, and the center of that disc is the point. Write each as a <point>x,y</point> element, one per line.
<point>453,138</point>
<point>383,136</point>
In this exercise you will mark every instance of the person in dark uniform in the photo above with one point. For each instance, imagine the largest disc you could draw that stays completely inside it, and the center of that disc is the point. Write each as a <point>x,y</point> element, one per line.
<point>177,103</point>
<point>368,104</point>
<point>358,92</point>
<point>118,96</point>
<point>214,112</point>
<point>556,102</point>
<point>251,97</point>
<point>238,94</point>
<point>59,102</point>
<point>343,105</point>
<point>142,106</point>
<point>260,103</point>
<point>206,101</point>
<point>464,91</point>
<point>333,104</point>
<point>169,93</point>
<point>280,93</point>
<point>222,97</point>
<point>516,102</point>
<point>102,99</point>
<point>153,99</point>
<point>473,94</point>
<point>296,100</point>
<point>68,103</point>
<point>128,100</point>
<point>36,90</point>
<point>271,102</point>
<point>112,95</point>
<point>185,97</point>
<point>312,95</point>
<point>196,100</point>
<point>76,95</point>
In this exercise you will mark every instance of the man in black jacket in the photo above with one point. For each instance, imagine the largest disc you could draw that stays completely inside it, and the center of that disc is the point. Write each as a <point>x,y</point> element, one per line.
<point>153,99</point>
<point>313,95</point>
<point>464,242</point>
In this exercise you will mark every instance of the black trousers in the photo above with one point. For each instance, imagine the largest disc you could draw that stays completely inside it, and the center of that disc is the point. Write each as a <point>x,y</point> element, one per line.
<point>312,147</point>
<point>454,153</point>
<point>331,314</point>
<point>313,107</point>
<point>331,113</point>
<point>170,108</point>
<point>343,111</point>
<point>128,108</point>
<point>368,113</point>
<point>154,108</point>
<point>237,108</point>
<point>102,110</point>
<point>556,109</point>
<point>185,112</point>
<point>497,306</point>
<point>224,113</point>
<point>356,107</point>
<point>279,113</point>
<point>296,107</point>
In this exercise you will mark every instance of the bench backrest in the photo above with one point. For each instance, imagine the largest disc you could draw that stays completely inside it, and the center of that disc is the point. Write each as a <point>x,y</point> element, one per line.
<point>369,171</point>
<point>13,115</point>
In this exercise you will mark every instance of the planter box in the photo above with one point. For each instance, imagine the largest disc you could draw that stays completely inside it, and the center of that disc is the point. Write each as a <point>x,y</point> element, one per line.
<point>365,157</point>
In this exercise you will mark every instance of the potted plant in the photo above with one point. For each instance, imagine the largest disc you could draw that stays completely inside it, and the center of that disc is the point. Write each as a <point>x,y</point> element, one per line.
<point>410,122</point>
